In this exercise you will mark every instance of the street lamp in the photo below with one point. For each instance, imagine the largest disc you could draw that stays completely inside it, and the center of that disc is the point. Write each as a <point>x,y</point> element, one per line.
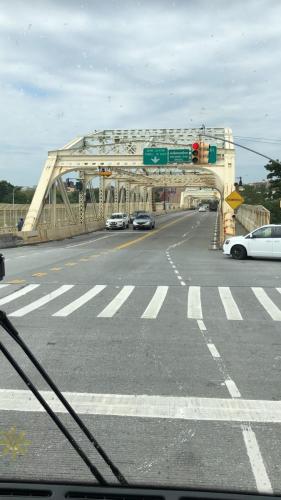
<point>13,200</point>
<point>239,185</point>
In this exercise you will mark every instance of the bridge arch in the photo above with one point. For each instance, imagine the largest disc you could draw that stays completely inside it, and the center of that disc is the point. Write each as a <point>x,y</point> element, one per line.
<point>121,153</point>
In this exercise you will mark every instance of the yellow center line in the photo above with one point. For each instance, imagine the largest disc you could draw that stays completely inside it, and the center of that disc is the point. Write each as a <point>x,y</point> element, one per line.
<point>118,247</point>
<point>16,282</point>
<point>141,238</point>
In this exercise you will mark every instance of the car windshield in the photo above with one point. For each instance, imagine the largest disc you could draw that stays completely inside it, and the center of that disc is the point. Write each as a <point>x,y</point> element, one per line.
<point>140,188</point>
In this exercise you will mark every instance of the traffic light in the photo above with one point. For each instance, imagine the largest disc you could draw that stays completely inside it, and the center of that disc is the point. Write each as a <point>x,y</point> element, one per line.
<point>212,156</point>
<point>68,182</point>
<point>195,152</point>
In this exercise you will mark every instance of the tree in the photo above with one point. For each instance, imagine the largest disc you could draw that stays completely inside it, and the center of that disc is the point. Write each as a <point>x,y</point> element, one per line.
<point>6,192</point>
<point>275,178</point>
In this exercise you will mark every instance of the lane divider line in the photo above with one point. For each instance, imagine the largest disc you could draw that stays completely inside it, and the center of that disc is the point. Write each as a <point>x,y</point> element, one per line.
<point>261,477</point>
<point>256,460</point>
<point>155,231</point>
<point>194,308</point>
<point>213,350</point>
<point>232,388</point>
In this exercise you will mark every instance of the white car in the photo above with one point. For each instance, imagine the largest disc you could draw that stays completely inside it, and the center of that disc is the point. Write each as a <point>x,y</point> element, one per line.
<point>118,220</point>
<point>262,242</point>
<point>202,209</point>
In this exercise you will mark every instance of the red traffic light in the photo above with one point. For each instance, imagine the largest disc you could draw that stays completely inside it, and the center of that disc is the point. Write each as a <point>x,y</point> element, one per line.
<point>195,145</point>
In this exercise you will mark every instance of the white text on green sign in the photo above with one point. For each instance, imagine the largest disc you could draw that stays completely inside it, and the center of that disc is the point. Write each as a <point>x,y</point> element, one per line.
<point>155,156</point>
<point>179,156</point>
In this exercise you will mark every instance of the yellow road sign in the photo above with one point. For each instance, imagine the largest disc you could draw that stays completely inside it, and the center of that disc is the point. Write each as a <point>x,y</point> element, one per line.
<point>234,199</point>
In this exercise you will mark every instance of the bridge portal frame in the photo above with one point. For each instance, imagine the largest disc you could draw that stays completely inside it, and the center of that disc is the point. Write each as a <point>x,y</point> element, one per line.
<point>121,152</point>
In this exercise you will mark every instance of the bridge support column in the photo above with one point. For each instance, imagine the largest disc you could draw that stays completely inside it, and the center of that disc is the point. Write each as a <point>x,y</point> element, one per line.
<point>144,197</point>
<point>149,199</point>
<point>116,196</point>
<point>101,197</point>
<point>53,193</point>
<point>137,202</point>
<point>127,197</point>
<point>108,199</point>
<point>81,200</point>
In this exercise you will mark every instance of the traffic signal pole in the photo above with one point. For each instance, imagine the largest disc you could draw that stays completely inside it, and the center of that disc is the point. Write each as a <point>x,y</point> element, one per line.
<point>243,147</point>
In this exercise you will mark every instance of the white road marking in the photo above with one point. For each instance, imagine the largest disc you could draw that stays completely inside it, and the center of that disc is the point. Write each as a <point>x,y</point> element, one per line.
<point>267,303</point>
<point>42,301</point>
<point>17,294</point>
<point>3,285</point>
<point>116,303</point>
<point>138,405</point>
<point>232,388</point>
<point>231,309</point>
<point>179,277</point>
<point>278,290</point>
<point>73,306</point>
<point>194,309</point>
<point>156,303</point>
<point>183,283</point>
<point>175,271</point>
<point>201,325</point>
<point>256,461</point>
<point>90,241</point>
<point>213,350</point>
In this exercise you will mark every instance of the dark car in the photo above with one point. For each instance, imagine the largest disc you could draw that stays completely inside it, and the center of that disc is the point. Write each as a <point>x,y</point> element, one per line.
<point>135,214</point>
<point>144,221</point>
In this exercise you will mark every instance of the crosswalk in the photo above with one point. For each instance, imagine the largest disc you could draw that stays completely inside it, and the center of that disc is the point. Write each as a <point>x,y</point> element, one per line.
<point>146,302</point>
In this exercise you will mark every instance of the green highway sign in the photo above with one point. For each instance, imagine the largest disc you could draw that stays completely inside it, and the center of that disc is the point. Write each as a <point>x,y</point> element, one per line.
<point>155,156</point>
<point>212,156</point>
<point>179,156</point>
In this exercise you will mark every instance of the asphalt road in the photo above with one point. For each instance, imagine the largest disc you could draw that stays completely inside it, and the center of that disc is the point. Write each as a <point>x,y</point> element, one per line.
<point>170,352</point>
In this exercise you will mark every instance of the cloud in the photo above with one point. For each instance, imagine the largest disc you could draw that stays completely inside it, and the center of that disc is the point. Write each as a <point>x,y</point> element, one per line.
<point>70,67</point>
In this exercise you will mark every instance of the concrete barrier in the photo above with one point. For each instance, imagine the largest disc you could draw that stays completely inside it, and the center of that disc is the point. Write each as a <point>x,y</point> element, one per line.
<point>60,233</point>
<point>253,216</point>
<point>44,233</point>
<point>10,240</point>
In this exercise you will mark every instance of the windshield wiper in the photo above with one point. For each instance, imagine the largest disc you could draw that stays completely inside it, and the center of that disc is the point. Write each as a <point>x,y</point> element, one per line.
<point>10,329</point>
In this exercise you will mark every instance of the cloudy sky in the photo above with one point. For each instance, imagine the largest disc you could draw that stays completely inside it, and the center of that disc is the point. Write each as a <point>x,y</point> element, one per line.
<point>68,67</point>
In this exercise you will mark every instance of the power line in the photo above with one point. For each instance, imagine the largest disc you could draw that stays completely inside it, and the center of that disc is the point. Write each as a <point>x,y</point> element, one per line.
<point>239,145</point>
<point>261,141</point>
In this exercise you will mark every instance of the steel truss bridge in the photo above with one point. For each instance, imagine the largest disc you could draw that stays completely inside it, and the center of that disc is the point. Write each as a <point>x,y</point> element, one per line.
<point>130,183</point>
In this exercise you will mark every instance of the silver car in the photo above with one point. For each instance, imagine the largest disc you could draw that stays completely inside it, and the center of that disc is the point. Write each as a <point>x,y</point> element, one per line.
<point>144,221</point>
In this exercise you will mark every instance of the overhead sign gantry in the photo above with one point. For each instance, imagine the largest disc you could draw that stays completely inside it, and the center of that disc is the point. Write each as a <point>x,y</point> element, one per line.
<point>138,161</point>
